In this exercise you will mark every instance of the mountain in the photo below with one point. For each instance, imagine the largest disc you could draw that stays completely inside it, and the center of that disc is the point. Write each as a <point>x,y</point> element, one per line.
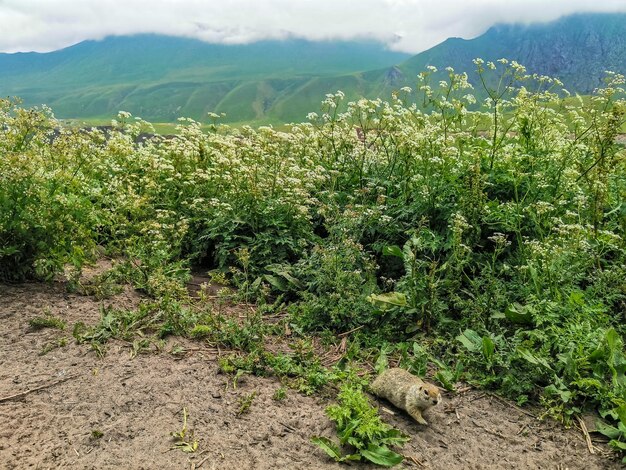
<point>577,49</point>
<point>162,78</point>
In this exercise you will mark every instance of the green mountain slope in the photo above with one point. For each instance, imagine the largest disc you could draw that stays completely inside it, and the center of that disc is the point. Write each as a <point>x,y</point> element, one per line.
<point>162,78</point>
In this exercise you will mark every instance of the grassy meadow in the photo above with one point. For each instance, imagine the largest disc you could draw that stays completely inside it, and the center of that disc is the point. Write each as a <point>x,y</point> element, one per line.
<point>478,242</point>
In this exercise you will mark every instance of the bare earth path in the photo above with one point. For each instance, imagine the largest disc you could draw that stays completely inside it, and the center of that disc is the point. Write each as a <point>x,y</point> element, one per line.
<point>136,403</point>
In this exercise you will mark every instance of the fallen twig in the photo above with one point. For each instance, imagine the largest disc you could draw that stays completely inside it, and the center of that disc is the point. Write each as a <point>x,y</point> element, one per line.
<point>489,431</point>
<point>504,402</point>
<point>202,461</point>
<point>414,460</point>
<point>583,428</point>
<point>346,333</point>
<point>477,397</point>
<point>286,426</point>
<point>20,395</point>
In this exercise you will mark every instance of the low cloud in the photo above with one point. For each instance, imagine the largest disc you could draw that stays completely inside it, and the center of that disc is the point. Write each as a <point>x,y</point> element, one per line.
<point>405,25</point>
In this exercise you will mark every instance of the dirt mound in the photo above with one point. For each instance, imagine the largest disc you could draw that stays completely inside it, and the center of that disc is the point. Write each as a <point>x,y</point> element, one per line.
<point>118,411</point>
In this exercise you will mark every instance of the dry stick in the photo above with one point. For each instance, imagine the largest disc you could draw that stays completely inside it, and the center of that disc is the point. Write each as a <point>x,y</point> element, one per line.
<point>19,395</point>
<point>583,428</point>
<point>414,460</point>
<point>504,402</point>
<point>351,331</point>
<point>202,461</point>
<point>489,431</point>
<point>286,426</point>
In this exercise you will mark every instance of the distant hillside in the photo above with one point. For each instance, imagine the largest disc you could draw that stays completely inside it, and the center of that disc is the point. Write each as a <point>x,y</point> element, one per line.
<point>577,49</point>
<point>162,78</point>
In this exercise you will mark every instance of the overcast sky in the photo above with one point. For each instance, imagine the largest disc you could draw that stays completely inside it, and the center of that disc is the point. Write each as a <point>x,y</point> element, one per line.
<point>406,25</point>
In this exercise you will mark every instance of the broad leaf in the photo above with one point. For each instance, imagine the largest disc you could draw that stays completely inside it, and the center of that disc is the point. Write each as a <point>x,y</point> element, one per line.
<point>327,446</point>
<point>618,445</point>
<point>606,429</point>
<point>393,251</point>
<point>381,455</point>
<point>471,340</point>
<point>517,313</point>
<point>530,357</point>
<point>275,282</point>
<point>388,300</point>
<point>488,347</point>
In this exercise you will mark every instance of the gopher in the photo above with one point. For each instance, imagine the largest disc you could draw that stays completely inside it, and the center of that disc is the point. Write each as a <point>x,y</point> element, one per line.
<point>406,392</point>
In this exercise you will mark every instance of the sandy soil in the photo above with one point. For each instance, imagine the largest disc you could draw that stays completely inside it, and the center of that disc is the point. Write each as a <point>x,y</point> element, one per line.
<point>135,403</point>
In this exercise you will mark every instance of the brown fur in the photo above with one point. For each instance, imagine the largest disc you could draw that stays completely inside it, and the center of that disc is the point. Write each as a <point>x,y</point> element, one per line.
<point>406,392</point>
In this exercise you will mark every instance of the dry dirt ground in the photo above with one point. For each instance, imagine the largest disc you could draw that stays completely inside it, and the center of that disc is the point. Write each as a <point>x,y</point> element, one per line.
<point>134,404</point>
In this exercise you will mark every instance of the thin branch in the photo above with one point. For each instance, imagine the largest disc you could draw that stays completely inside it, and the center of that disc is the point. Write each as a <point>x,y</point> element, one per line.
<point>583,428</point>
<point>20,395</point>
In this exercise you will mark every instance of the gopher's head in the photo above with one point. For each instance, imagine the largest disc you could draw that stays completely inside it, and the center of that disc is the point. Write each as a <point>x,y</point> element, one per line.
<point>425,396</point>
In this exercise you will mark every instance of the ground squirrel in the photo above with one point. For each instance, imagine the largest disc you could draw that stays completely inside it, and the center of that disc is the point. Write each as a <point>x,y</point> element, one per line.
<point>406,391</point>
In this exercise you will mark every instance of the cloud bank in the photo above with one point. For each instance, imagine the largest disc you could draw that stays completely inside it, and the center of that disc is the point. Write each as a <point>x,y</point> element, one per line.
<point>405,25</point>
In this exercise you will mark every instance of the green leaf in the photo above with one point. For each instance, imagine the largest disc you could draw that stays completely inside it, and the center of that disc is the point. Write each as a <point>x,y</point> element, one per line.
<point>610,413</point>
<point>328,446</point>
<point>8,251</point>
<point>188,447</point>
<point>564,394</point>
<point>618,445</point>
<point>381,455</point>
<point>382,362</point>
<point>296,282</point>
<point>577,298</point>
<point>606,429</point>
<point>347,432</point>
<point>256,283</point>
<point>283,272</point>
<point>613,340</point>
<point>445,378</point>
<point>488,347</point>
<point>621,413</point>
<point>275,282</point>
<point>517,313</point>
<point>530,357</point>
<point>393,250</point>
<point>394,437</point>
<point>388,300</point>
<point>471,340</point>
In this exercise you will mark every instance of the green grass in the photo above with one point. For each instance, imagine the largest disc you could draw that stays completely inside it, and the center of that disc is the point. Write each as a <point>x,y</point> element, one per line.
<point>47,321</point>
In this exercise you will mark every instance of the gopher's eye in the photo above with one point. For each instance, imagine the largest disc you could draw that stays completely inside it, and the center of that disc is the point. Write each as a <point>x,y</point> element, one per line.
<point>426,392</point>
